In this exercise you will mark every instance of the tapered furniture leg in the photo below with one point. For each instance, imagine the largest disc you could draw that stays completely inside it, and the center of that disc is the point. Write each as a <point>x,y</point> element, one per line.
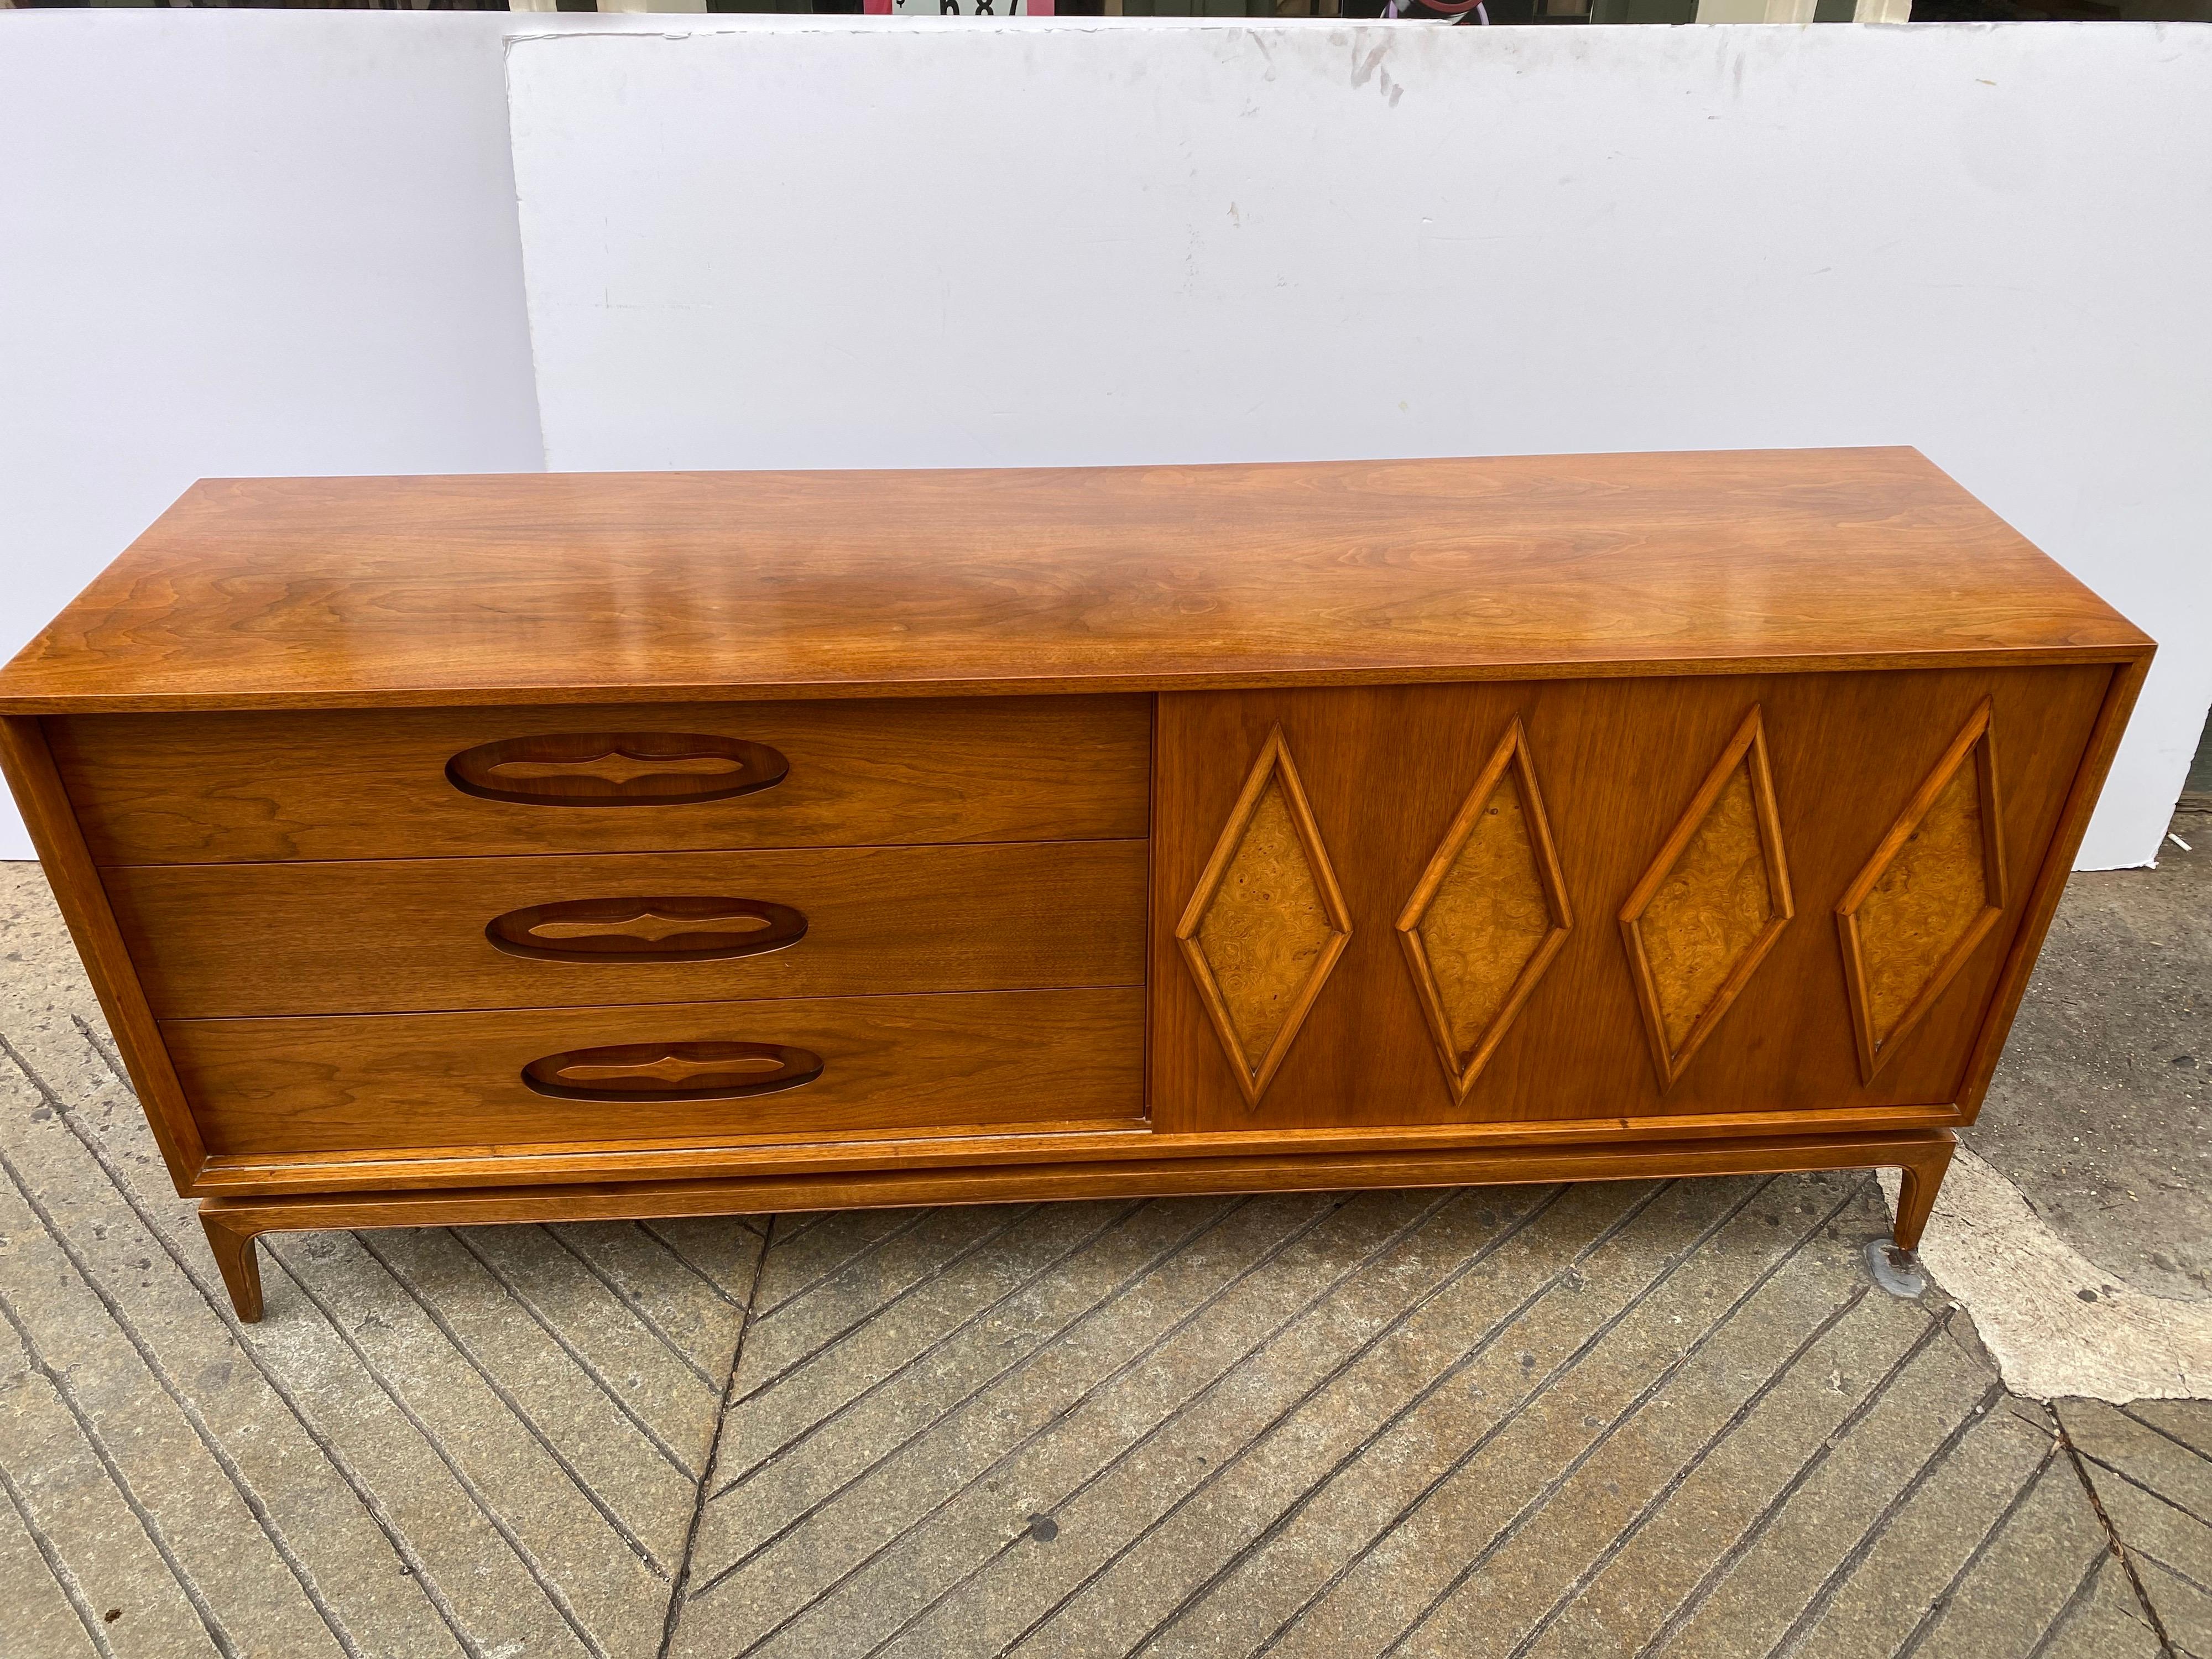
<point>241,1269</point>
<point>1916,1193</point>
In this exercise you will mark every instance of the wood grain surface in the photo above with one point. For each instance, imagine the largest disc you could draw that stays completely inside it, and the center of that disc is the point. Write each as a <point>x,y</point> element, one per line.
<point>29,765</point>
<point>2049,880</point>
<point>408,935</point>
<point>1262,931</point>
<point>1710,910</point>
<point>364,1081</point>
<point>366,785</point>
<point>1387,770</point>
<point>1487,919</point>
<point>1266,922</point>
<point>586,588</point>
<point>1489,914</point>
<point>1925,903</point>
<point>233,1224</point>
<point>1931,895</point>
<point>311,744</point>
<point>1713,904</point>
<point>1166,1172</point>
<point>980,1146</point>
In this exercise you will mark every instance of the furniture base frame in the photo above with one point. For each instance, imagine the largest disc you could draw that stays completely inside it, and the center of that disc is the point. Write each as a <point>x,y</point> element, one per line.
<point>233,1224</point>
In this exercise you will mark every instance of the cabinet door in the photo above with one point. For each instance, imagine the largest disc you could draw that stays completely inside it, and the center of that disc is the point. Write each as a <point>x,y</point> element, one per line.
<point>1593,899</point>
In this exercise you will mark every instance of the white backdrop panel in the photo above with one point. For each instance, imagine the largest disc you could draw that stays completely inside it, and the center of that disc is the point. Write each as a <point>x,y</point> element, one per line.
<point>1028,243</point>
<point>240,242</point>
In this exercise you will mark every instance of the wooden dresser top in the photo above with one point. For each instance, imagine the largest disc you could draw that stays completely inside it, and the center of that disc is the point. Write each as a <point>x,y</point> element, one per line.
<point>307,592</point>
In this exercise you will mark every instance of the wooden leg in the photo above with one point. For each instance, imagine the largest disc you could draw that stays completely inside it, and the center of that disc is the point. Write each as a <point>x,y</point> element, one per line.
<point>233,1255</point>
<point>1916,1193</point>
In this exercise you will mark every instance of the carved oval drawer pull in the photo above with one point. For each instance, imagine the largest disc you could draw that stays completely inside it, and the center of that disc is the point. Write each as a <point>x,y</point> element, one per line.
<point>617,769</point>
<point>646,929</point>
<point>672,1071</point>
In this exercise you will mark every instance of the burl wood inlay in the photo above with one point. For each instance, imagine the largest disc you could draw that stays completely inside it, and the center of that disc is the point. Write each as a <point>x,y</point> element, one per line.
<point>1711,905</point>
<point>1266,927</point>
<point>1931,893</point>
<point>1488,915</point>
<point>1926,902</point>
<point>1266,923</point>
<point>673,1071</point>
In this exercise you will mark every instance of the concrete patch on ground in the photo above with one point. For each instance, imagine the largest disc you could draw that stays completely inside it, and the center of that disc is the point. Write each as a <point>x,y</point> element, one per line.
<point>2101,1110</point>
<point>2055,1322</point>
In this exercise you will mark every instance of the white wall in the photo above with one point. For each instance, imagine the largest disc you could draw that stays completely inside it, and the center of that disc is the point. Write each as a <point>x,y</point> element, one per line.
<point>246,242</point>
<point>1082,244</point>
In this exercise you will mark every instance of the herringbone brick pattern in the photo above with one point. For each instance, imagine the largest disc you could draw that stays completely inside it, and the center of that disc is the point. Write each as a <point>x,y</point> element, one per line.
<point>1609,1419</point>
<point>474,1443</point>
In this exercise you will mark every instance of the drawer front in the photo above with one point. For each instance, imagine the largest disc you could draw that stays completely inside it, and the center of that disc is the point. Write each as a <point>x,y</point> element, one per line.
<point>241,788</point>
<point>434,934</point>
<point>614,1077</point>
<point>1609,899</point>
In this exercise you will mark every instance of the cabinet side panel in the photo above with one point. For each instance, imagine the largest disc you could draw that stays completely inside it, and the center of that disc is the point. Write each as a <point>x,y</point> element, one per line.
<point>54,830</point>
<point>1620,764</point>
<point>2049,880</point>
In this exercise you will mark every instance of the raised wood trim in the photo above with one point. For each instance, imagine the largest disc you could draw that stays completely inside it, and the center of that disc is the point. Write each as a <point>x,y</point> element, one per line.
<point>2050,876</point>
<point>1974,738</point>
<point>1463,1068</point>
<point>29,765</point>
<point>1748,746</point>
<point>983,1145</point>
<point>1274,766</point>
<point>233,1224</point>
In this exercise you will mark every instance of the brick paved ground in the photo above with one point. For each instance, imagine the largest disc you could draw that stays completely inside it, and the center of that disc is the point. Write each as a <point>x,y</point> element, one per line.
<point>1607,1420</point>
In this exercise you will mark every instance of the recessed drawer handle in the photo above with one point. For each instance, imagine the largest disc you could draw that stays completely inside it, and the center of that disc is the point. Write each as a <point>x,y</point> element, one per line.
<point>646,929</point>
<point>615,768</point>
<point>672,1071</point>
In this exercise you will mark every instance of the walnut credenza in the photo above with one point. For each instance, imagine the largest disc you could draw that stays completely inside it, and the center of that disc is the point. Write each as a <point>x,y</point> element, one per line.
<point>476,850</point>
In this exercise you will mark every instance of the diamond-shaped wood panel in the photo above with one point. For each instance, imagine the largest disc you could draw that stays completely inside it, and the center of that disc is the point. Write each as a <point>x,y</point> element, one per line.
<point>1266,923</point>
<point>1488,915</point>
<point>1927,898</point>
<point>1711,905</point>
